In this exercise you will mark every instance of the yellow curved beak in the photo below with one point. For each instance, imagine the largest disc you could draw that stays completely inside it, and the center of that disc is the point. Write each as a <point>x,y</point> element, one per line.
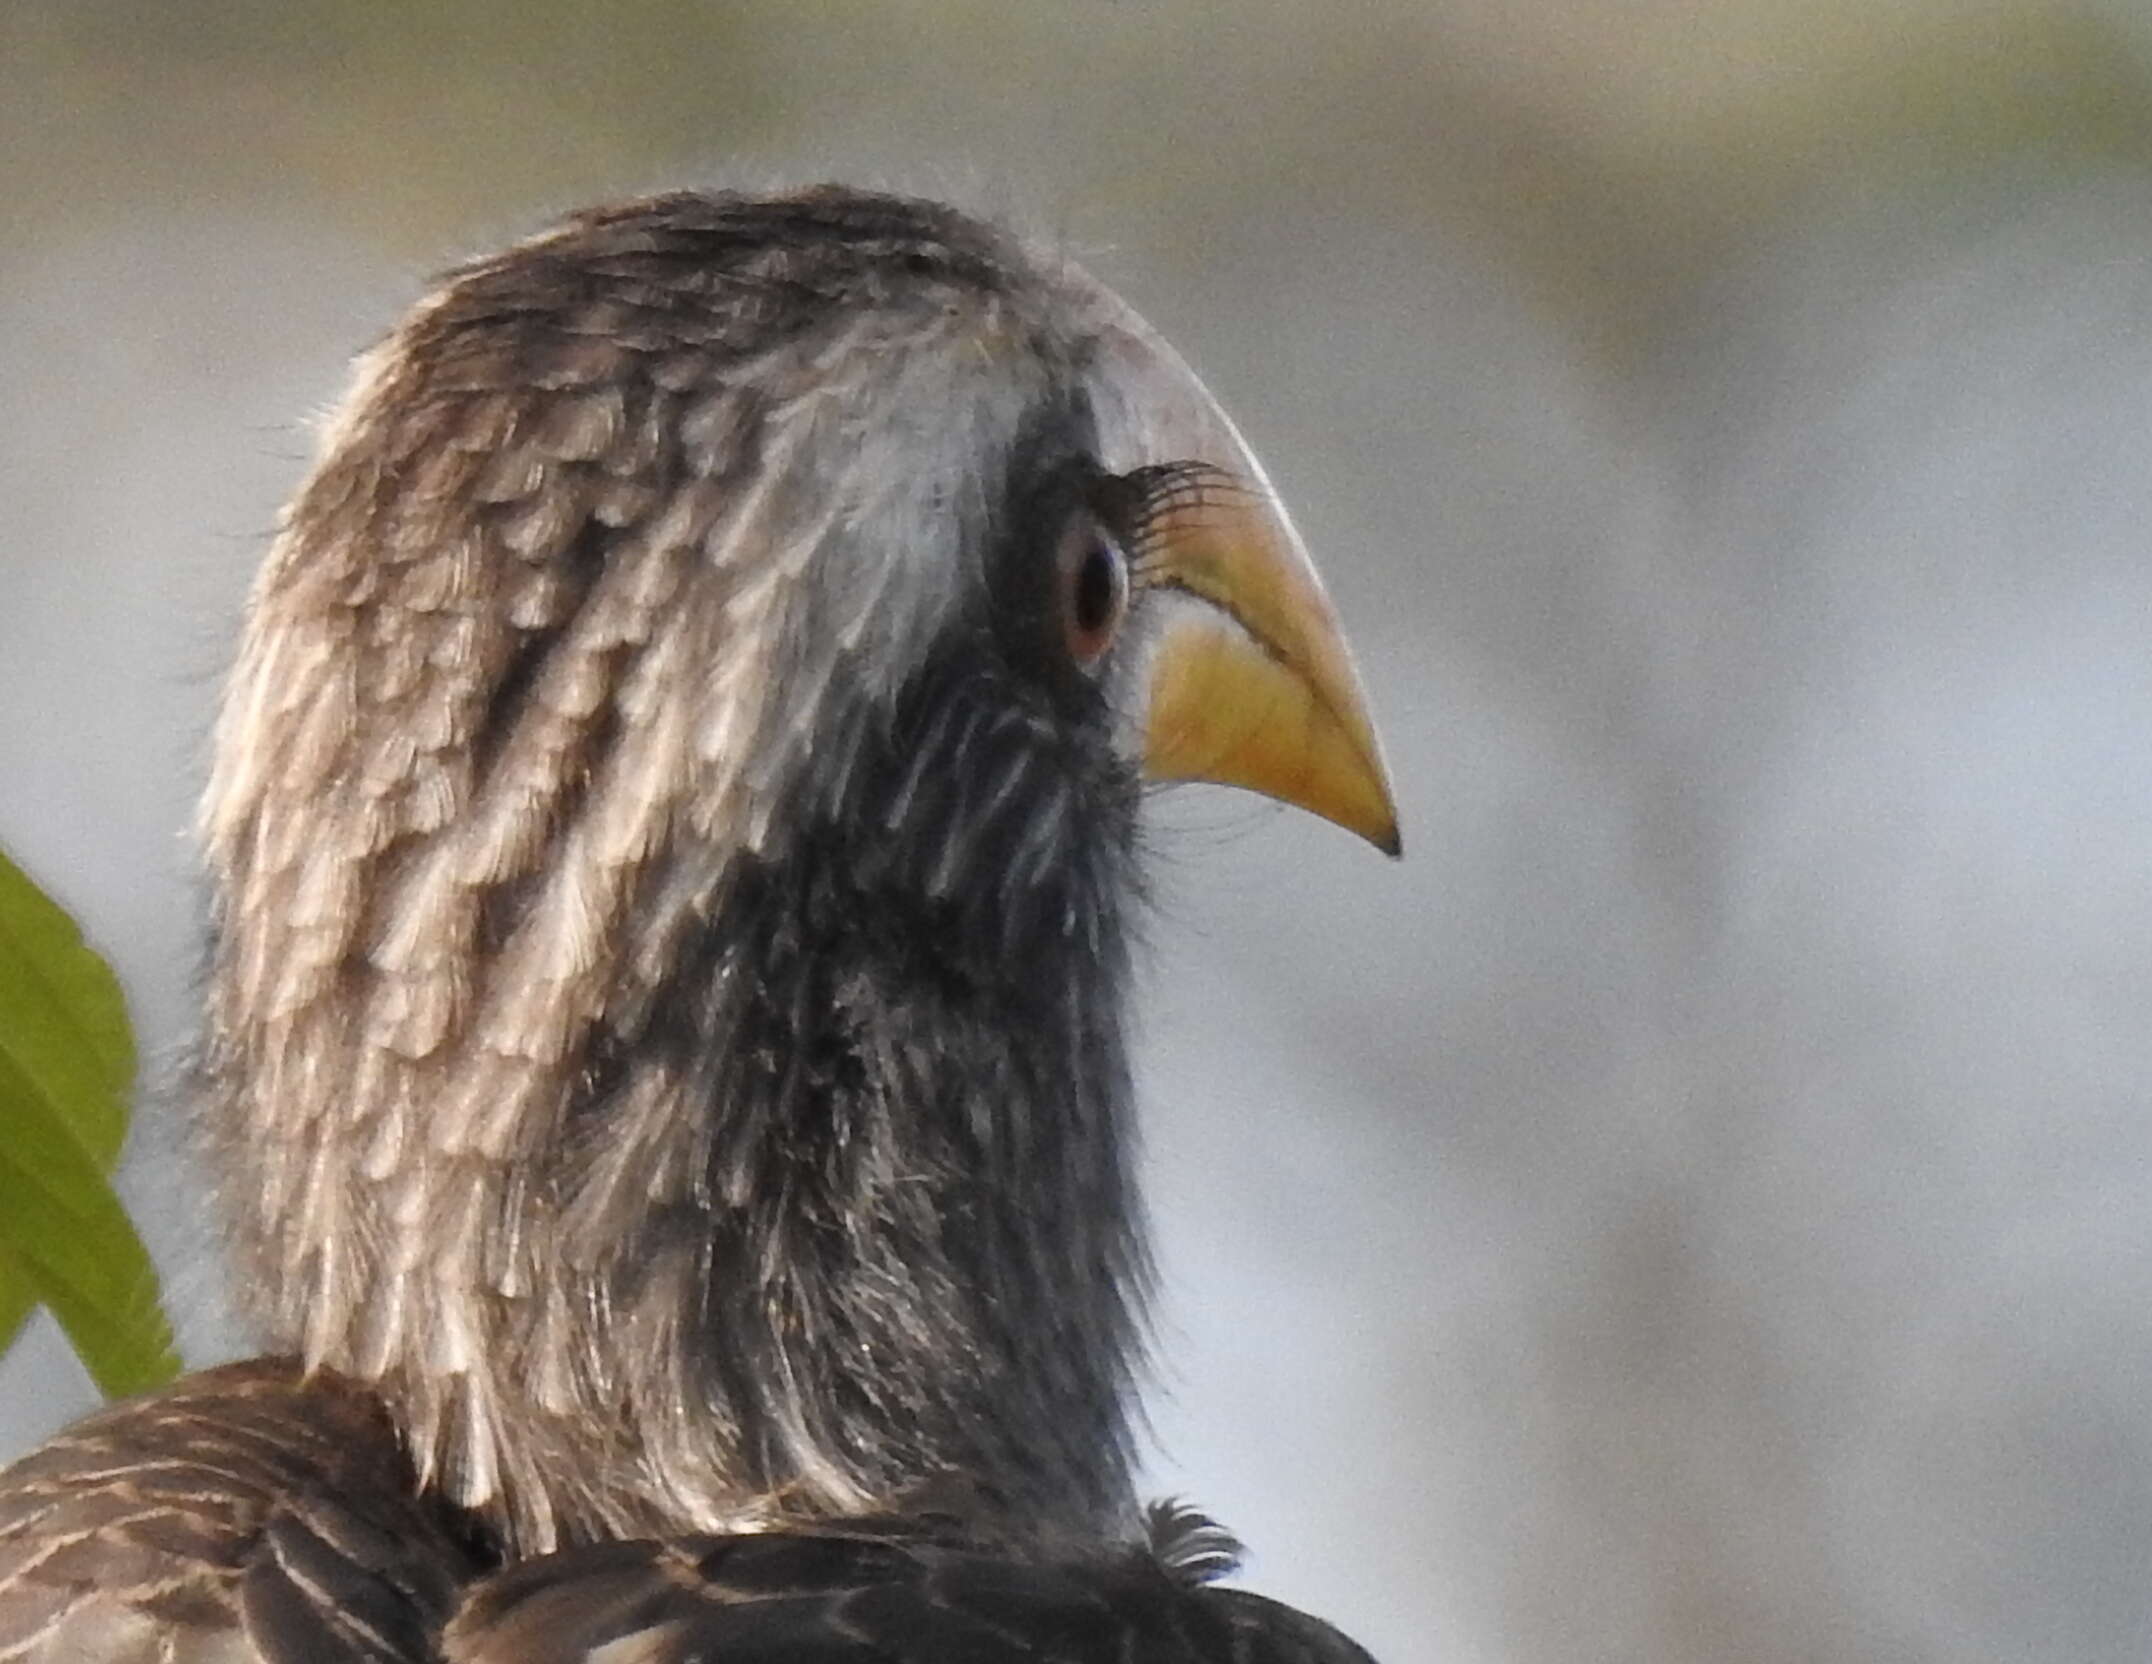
<point>1252,684</point>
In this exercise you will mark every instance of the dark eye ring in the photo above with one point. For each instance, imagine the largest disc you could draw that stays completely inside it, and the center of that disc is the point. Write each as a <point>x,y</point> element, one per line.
<point>1091,588</point>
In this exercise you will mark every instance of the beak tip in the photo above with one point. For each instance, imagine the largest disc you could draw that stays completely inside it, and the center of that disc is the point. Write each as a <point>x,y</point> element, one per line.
<point>1370,809</point>
<point>1381,830</point>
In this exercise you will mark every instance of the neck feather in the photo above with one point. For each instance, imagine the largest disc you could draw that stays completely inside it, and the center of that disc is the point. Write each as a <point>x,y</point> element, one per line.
<point>827,1213</point>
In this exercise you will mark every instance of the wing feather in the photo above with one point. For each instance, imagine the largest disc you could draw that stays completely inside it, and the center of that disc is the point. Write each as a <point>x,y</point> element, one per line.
<point>239,1517</point>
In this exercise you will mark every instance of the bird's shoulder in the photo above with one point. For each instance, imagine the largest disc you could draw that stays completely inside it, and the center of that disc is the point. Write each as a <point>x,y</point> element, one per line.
<point>242,1514</point>
<point>842,1596</point>
<point>247,1516</point>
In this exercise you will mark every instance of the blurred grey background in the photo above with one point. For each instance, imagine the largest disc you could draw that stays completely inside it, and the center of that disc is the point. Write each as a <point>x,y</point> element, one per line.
<point>1699,1206</point>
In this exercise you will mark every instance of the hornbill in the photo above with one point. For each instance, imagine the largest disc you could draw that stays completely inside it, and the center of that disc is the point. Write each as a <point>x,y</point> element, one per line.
<point>674,839</point>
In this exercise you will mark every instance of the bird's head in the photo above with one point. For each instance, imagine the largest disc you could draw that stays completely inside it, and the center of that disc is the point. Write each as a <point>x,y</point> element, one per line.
<point>672,817</point>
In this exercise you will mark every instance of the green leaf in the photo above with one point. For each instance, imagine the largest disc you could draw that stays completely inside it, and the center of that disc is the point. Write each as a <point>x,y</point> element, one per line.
<point>17,1301</point>
<point>63,1020</point>
<point>67,1061</point>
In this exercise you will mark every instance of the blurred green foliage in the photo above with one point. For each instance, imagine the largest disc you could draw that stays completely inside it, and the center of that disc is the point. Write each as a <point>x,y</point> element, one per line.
<point>67,1065</point>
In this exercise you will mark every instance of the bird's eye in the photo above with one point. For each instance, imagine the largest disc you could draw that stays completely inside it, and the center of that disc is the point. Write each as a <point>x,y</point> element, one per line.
<point>1091,583</point>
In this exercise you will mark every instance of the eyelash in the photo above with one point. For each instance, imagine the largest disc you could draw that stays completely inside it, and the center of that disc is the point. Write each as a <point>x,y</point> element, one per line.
<point>1149,498</point>
<point>1127,515</point>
